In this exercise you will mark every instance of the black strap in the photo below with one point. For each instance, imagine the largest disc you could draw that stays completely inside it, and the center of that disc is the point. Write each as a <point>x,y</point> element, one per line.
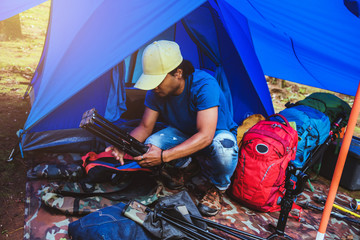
<point>76,206</point>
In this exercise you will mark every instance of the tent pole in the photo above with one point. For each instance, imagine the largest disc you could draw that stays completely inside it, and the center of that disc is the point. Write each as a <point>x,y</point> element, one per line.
<point>339,166</point>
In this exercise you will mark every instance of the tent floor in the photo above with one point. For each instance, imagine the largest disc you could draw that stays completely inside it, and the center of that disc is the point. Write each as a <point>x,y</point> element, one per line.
<point>41,223</point>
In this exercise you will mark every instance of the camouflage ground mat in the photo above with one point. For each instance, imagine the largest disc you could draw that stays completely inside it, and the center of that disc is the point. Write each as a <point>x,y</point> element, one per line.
<point>42,222</point>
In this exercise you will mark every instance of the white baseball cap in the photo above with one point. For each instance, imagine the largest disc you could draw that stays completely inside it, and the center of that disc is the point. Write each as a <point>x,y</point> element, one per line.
<point>158,59</point>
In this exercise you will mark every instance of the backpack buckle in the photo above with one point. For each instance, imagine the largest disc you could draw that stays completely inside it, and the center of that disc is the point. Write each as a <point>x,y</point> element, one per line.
<point>274,125</point>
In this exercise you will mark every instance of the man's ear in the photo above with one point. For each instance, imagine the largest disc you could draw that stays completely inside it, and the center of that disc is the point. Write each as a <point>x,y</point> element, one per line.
<point>179,72</point>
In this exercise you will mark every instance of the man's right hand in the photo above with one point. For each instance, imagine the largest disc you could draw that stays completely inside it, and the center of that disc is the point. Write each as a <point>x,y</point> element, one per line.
<point>118,154</point>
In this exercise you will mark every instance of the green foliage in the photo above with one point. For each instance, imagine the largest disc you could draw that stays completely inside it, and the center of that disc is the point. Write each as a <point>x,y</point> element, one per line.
<point>302,90</point>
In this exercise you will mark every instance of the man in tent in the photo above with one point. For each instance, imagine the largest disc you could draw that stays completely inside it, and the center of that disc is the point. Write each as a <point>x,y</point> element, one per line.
<point>194,107</point>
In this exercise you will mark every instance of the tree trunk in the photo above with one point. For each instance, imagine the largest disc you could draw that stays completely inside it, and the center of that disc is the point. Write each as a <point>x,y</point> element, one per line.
<point>10,28</point>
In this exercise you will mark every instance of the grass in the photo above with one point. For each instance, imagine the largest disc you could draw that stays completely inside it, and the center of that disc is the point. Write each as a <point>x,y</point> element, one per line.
<point>25,53</point>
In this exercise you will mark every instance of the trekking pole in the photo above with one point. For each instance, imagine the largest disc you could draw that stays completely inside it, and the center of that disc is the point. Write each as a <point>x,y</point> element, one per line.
<point>189,228</point>
<point>322,200</point>
<point>229,230</point>
<point>334,214</point>
<point>139,212</point>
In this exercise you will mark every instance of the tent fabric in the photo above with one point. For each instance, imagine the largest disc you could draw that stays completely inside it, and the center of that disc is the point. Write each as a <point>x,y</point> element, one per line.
<point>116,99</point>
<point>238,41</point>
<point>79,68</point>
<point>248,67</point>
<point>9,8</point>
<point>210,46</point>
<point>116,29</point>
<point>315,43</point>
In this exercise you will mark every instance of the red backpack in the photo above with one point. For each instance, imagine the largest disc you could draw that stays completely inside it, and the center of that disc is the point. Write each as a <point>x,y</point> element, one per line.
<point>266,150</point>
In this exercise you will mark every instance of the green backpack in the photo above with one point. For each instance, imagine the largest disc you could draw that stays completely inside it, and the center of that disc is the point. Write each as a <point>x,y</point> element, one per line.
<point>330,105</point>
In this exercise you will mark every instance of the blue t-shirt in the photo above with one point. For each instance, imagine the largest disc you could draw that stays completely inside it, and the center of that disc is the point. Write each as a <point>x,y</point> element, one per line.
<point>201,92</point>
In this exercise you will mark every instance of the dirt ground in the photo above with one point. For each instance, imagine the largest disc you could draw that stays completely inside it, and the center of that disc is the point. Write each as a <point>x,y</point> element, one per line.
<point>13,174</point>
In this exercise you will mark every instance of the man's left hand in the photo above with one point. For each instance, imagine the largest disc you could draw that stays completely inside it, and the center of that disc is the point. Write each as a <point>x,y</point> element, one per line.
<point>151,158</point>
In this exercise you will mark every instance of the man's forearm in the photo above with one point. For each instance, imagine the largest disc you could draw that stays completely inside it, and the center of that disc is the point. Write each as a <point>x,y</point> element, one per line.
<point>146,126</point>
<point>140,133</point>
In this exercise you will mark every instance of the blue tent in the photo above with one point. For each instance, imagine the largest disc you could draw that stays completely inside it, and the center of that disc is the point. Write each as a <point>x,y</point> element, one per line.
<point>93,47</point>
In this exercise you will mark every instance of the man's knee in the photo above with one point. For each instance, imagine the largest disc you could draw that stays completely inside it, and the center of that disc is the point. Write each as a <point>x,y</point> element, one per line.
<point>166,138</point>
<point>224,146</point>
<point>155,139</point>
